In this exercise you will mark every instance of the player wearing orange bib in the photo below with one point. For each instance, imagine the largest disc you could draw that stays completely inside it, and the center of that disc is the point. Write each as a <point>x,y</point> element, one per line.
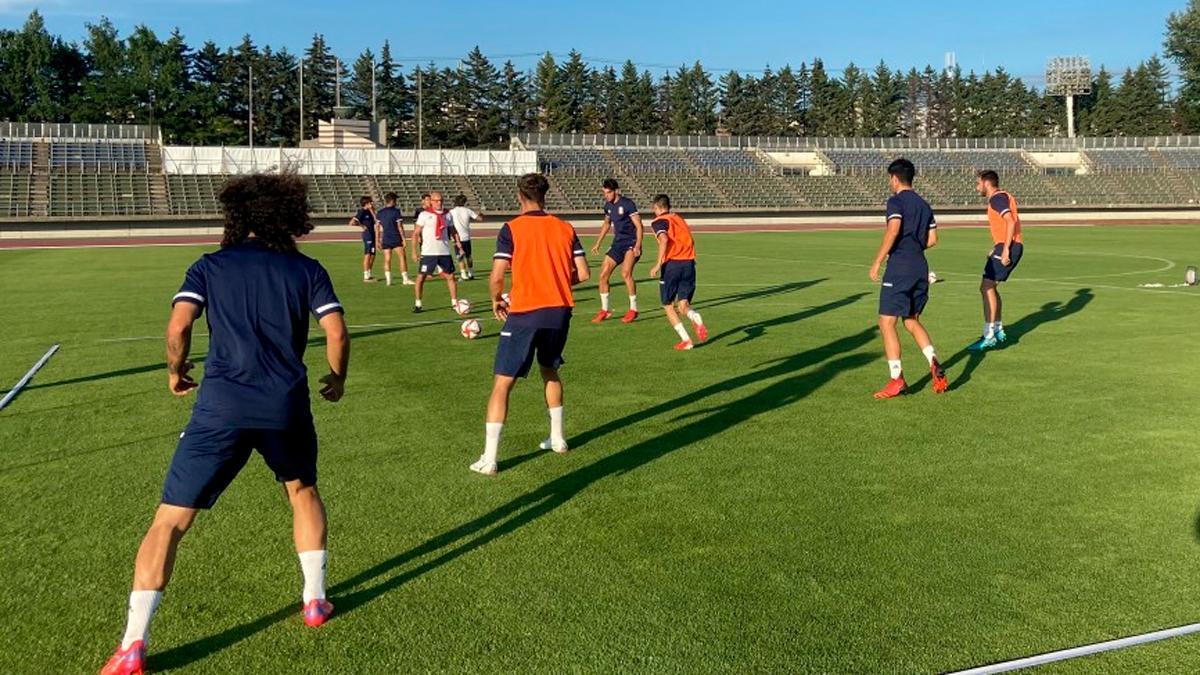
<point>546,260</point>
<point>1004,221</point>
<point>677,263</point>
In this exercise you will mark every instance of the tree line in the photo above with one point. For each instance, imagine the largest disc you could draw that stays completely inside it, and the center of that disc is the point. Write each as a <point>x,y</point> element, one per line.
<point>202,95</point>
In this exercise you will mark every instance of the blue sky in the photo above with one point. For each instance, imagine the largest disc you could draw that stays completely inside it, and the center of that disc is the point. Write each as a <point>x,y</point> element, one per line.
<point>745,34</point>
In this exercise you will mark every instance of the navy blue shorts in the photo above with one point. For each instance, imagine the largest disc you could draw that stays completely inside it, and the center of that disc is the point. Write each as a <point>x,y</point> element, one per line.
<point>430,263</point>
<point>618,250</point>
<point>368,247</point>
<point>678,281</point>
<point>393,243</point>
<point>519,344</point>
<point>903,296</point>
<point>466,245</point>
<point>997,272</point>
<point>210,455</point>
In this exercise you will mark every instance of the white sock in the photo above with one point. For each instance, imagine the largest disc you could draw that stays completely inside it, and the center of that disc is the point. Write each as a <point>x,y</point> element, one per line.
<point>930,354</point>
<point>695,317</point>
<point>388,275</point>
<point>633,303</point>
<point>556,426</point>
<point>491,447</point>
<point>895,368</point>
<point>142,605</point>
<point>998,325</point>
<point>418,302</point>
<point>683,334</point>
<point>366,274</point>
<point>404,275</point>
<point>604,301</point>
<point>312,563</point>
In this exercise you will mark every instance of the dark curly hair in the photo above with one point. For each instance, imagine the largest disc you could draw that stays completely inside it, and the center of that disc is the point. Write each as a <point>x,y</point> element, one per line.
<point>271,207</point>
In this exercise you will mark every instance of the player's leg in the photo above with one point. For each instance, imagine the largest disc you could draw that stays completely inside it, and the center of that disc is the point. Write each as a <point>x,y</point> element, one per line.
<point>401,254</point>
<point>557,441</point>
<point>310,531</point>
<point>451,283</point>
<point>368,262</point>
<point>469,255</point>
<point>387,265</point>
<point>686,291</point>
<point>497,413</point>
<point>915,328</point>
<point>419,289</point>
<point>606,270</point>
<point>627,266</point>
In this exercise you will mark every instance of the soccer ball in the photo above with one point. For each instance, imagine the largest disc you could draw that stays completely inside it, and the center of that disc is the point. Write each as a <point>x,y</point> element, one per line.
<point>463,307</point>
<point>470,329</point>
<point>933,277</point>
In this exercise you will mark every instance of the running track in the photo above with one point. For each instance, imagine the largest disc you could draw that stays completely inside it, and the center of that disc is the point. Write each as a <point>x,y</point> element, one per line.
<point>351,236</point>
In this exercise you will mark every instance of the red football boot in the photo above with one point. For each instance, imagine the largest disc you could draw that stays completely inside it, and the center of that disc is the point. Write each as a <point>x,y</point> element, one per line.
<point>940,384</point>
<point>130,661</point>
<point>317,612</point>
<point>893,389</point>
<point>602,316</point>
<point>630,316</point>
<point>683,346</point>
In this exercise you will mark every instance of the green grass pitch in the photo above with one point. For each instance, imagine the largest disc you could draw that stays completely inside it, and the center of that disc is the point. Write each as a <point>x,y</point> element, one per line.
<point>743,507</point>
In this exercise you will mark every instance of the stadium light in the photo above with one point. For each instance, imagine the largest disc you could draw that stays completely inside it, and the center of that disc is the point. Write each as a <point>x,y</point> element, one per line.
<point>1069,76</point>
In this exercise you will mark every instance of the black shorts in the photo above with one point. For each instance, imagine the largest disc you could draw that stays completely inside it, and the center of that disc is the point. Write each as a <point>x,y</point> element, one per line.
<point>678,281</point>
<point>392,243</point>
<point>903,296</point>
<point>466,252</point>
<point>618,250</point>
<point>210,455</point>
<point>430,263</point>
<point>519,344</point>
<point>368,247</point>
<point>996,271</point>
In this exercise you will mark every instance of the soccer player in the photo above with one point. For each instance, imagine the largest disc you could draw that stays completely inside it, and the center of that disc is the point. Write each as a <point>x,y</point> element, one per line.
<point>431,237</point>
<point>389,231</point>
<point>259,293</point>
<point>1007,247</point>
<point>911,229</point>
<point>677,262</point>
<point>463,216</point>
<point>621,216</point>
<point>423,207</point>
<point>365,219</point>
<point>546,260</point>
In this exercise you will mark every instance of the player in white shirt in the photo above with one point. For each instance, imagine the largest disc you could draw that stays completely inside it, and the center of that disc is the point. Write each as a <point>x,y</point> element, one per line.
<point>431,241</point>
<point>463,216</point>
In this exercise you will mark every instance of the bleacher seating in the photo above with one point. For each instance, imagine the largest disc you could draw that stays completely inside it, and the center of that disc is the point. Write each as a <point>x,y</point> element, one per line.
<point>16,155</point>
<point>1123,158</point>
<point>726,160</point>
<point>15,194</point>
<point>100,194</point>
<point>1181,158</point>
<point>98,157</point>
<point>195,195</point>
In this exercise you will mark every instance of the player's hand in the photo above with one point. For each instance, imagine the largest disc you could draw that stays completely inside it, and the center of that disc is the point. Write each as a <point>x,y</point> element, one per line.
<point>654,272</point>
<point>637,251</point>
<point>875,272</point>
<point>334,389</point>
<point>1005,257</point>
<point>500,309</point>
<point>180,383</point>
<point>595,248</point>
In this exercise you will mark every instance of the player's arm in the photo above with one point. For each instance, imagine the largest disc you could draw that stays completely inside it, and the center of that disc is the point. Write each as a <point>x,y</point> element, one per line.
<point>604,228</point>
<point>457,240</point>
<point>1010,231</point>
<point>931,239</point>
<point>496,287</point>
<point>889,239</point>
<point>477,216</point>
<point>416,240</point>
<point>337,353</point>
<point>582,271</point>
<point>660,238</point>
<point>640,232</point>
<point>378,231</point>
<point>179,345</point>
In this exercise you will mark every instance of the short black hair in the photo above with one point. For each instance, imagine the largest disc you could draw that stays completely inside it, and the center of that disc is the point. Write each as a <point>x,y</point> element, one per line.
<point>903,170</point>
<point>533,186</point>
<point>611,184</point>
<point>991,177</point>
<point>272,207</point>
<point>460,200</point>
<point>390,198</point>
<point>364,200</point>
<point>662,200</point>
<point>424,196</point>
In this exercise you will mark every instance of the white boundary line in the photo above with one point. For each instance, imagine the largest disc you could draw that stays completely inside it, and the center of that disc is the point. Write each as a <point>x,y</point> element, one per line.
<point>12,393</point>
<point>362,326</point>
<point>1085,650</point>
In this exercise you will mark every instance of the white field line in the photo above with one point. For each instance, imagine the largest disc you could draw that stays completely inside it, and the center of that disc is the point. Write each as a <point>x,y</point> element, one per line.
<point>362,326</point>
<point>1085,650</point>
<point>12,393</point>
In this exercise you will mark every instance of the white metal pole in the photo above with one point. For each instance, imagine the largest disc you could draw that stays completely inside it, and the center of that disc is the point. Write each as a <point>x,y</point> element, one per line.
<point>374,111</point>
<point>301,102</point>
<point>1070,116</point>
<point>250,106</point>
<point>420,112</point>
<point>337,82</point>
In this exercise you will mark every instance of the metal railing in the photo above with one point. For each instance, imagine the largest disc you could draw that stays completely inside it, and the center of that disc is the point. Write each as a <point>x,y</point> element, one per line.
<point>66,131</point>
<point>537,140</point>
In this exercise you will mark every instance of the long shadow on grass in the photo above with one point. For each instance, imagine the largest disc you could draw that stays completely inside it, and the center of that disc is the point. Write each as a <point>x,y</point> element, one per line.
<point>753,331</point>
<point>820,365</point>
<point>1051,311</point>
<point>161,365</point>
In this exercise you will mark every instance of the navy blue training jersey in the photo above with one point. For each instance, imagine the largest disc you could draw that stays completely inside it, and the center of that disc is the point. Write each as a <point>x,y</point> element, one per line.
<point>367,220</point>
<point>907,257</point>
<point>389,220</point>
<point>620,213</point>
<point>258,303</point>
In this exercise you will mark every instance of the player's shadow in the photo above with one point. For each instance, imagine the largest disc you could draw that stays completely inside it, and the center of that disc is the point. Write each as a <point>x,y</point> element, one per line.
<point>794,378</point>
<point>753,331</point>
<point>1049,312</point>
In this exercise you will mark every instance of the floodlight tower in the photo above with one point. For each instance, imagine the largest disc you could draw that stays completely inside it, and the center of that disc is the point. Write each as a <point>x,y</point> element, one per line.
<point>1069,76</point>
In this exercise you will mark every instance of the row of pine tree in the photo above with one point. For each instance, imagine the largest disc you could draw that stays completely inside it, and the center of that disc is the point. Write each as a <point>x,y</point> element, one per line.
<point>200,96</point>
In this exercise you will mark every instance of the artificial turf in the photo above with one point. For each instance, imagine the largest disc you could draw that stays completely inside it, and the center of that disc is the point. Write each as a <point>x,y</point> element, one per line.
<point>746,506</point>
